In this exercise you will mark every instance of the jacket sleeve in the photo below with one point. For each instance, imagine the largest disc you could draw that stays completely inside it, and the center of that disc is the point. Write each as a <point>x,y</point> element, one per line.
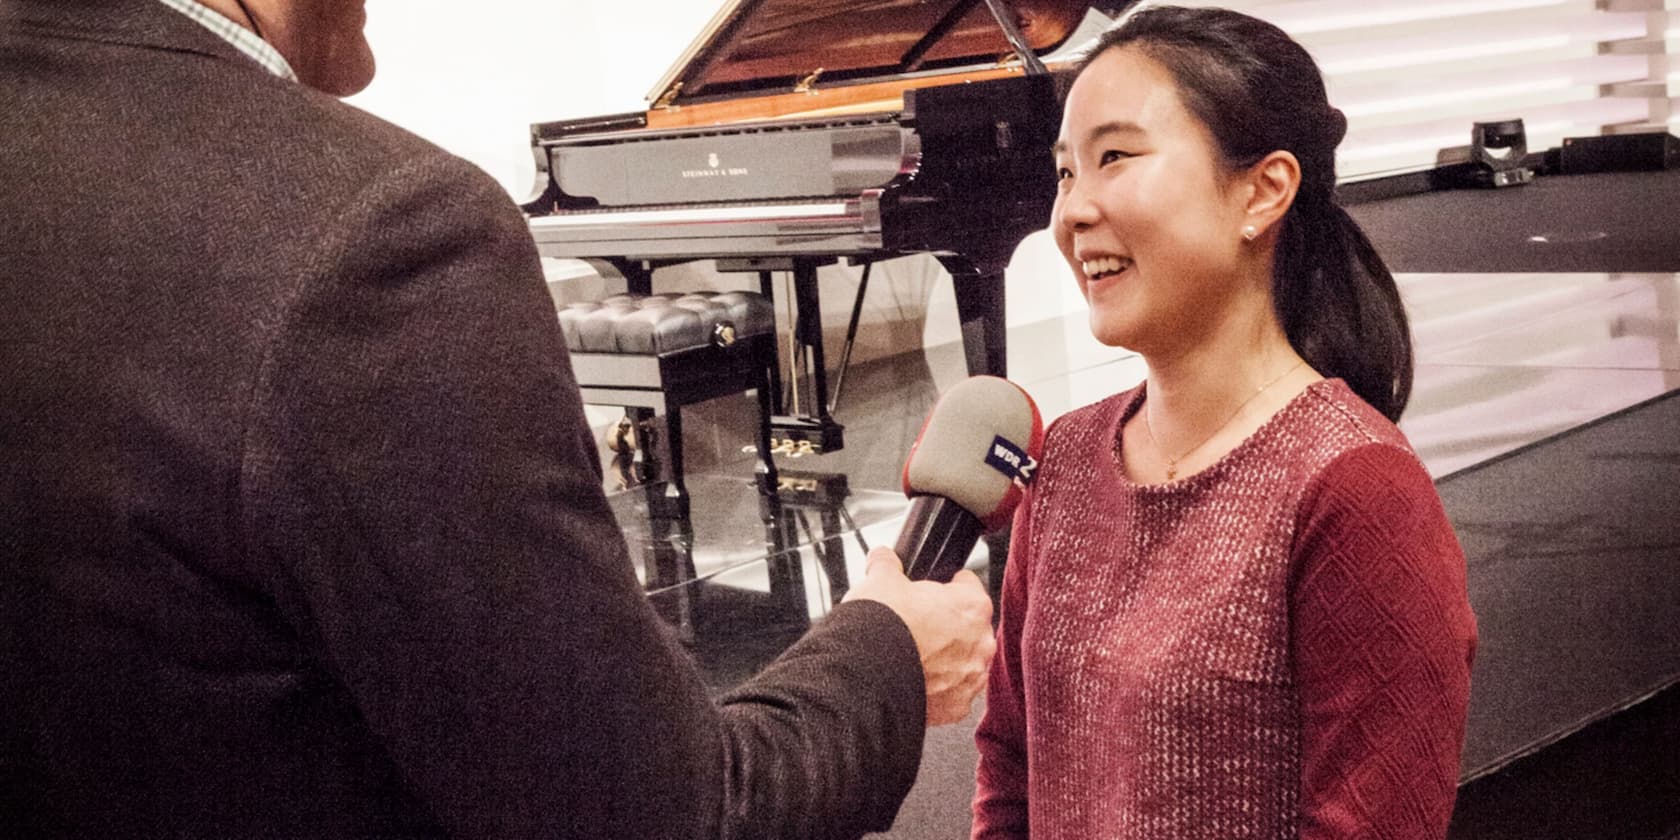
<point>1383,640</point>
<point>419,479</point>
<point>1000,796</point>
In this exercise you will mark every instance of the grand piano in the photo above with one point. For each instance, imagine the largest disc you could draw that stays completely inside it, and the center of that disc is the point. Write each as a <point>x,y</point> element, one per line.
<point>796,133</point>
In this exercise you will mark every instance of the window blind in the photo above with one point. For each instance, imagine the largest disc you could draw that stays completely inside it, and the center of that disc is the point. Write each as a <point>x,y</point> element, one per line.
<point>1413,75</point>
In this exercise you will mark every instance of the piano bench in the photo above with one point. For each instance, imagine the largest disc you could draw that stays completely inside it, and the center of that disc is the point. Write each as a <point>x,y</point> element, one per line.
<point>648,352</point>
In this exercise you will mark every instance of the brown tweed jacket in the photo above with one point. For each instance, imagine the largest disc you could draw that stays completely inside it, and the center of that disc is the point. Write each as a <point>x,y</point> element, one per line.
<point>302,531</point>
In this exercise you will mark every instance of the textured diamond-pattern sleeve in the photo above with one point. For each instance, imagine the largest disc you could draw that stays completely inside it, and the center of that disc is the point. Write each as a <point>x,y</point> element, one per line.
<point>1383,639</point>
<point>1000,797</point>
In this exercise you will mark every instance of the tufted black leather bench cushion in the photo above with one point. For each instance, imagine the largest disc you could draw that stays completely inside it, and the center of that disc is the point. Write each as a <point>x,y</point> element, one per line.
<point>655,325</point>
<point>647,352</point>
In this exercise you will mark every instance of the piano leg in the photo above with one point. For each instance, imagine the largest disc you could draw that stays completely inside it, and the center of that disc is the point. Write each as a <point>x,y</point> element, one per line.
<point>809,332</point>
<point>767,287</point>
<point>980,309</point>
<point>638,277</point>
<point>769,385</point>
<point>636,274</point>
<point>813,423</point>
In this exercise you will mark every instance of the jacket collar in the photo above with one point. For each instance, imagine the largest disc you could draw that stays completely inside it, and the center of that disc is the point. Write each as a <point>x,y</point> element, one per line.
<point>140,23</point>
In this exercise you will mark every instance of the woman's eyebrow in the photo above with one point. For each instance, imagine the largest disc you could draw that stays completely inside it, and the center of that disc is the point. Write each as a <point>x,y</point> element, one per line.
<point>1100,131</point>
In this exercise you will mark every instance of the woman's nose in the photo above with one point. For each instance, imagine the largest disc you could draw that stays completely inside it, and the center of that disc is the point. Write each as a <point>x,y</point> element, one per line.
<point>1074,208</point>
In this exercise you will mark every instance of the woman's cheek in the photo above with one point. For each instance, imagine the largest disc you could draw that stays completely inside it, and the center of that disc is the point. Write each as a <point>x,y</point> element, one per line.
<point>1057,228</point>
<point>1061,236</point>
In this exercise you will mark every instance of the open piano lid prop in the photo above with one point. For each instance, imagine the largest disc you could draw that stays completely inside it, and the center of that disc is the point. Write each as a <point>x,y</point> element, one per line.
<point>759,47</point>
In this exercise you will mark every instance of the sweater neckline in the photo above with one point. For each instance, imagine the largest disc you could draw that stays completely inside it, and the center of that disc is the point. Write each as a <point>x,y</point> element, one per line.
<point>1132,400</point>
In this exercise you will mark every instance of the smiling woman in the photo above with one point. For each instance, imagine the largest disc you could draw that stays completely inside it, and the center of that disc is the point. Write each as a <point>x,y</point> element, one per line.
<point>1267,589</point>
<point>1144,212</point>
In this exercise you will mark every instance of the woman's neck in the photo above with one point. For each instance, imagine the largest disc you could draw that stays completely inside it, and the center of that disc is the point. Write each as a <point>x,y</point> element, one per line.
<point>1207,396</point>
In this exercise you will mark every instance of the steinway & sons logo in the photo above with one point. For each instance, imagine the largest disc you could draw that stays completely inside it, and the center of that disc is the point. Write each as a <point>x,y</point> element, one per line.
<point>714,169</point>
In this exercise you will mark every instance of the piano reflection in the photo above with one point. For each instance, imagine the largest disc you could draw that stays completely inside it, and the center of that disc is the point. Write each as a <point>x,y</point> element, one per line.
<point>795,133</point>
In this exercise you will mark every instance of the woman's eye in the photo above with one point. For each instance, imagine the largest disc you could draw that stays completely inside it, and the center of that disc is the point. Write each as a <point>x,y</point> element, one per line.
<point>1113,155</point>
<point>1063,173</point>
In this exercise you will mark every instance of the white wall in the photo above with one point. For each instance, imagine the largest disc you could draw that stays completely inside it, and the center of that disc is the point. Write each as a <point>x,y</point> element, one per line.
<point>473,76</point>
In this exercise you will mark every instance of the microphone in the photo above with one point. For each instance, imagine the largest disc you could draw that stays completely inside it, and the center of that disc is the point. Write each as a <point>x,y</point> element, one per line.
<point>966,472</point>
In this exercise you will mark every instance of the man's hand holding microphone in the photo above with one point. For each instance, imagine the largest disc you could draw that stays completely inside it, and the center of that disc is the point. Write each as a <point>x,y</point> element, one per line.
<point>966,473</point>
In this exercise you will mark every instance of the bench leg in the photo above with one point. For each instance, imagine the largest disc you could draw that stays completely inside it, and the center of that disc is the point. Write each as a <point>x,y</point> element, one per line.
<point>676,492</point>
<point>671,575</point>
<point>643,445</point>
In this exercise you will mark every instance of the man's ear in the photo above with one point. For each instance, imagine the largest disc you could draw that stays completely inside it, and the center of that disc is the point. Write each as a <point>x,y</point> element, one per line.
<point>1272,184</point>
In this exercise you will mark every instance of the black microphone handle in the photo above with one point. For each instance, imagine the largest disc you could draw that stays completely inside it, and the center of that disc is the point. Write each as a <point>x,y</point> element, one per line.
<point>937,537</point>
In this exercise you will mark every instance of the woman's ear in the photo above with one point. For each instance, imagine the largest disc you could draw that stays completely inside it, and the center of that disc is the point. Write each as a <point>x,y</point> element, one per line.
<point>1272,185</point>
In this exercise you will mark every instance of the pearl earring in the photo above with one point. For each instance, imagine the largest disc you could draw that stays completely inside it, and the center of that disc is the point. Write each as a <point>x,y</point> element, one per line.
<point>1249,232</point>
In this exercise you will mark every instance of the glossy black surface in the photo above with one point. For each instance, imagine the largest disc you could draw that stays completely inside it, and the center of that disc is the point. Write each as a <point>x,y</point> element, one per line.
<point>1618,778</point>
<point>1601,222</point>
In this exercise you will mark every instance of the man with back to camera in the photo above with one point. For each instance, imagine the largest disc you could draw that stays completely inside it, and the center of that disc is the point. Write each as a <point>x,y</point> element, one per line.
<point>303,531</point>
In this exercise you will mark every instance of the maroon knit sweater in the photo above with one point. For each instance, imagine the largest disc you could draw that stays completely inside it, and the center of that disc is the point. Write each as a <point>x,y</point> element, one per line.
<point>1278,646</point>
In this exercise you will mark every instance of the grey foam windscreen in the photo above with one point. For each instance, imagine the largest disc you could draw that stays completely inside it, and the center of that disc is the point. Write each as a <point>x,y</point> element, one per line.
<point>979,448</point>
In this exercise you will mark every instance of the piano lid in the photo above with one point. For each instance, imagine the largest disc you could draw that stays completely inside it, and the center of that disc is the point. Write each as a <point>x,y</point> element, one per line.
<point>754,47</point>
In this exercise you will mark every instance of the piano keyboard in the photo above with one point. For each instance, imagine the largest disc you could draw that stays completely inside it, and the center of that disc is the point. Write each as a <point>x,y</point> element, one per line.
<point>814,226</point>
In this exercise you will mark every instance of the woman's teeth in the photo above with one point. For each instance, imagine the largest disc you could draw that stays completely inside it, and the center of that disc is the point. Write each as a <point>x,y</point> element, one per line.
<point>1103,266</point>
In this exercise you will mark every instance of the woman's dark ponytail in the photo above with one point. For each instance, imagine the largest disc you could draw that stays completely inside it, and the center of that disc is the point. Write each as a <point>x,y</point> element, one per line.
<point>1339,304</point>
<point>1258,91</point>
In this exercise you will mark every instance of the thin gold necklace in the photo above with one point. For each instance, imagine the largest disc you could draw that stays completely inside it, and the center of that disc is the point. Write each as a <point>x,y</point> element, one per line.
<point>1172,462</point>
